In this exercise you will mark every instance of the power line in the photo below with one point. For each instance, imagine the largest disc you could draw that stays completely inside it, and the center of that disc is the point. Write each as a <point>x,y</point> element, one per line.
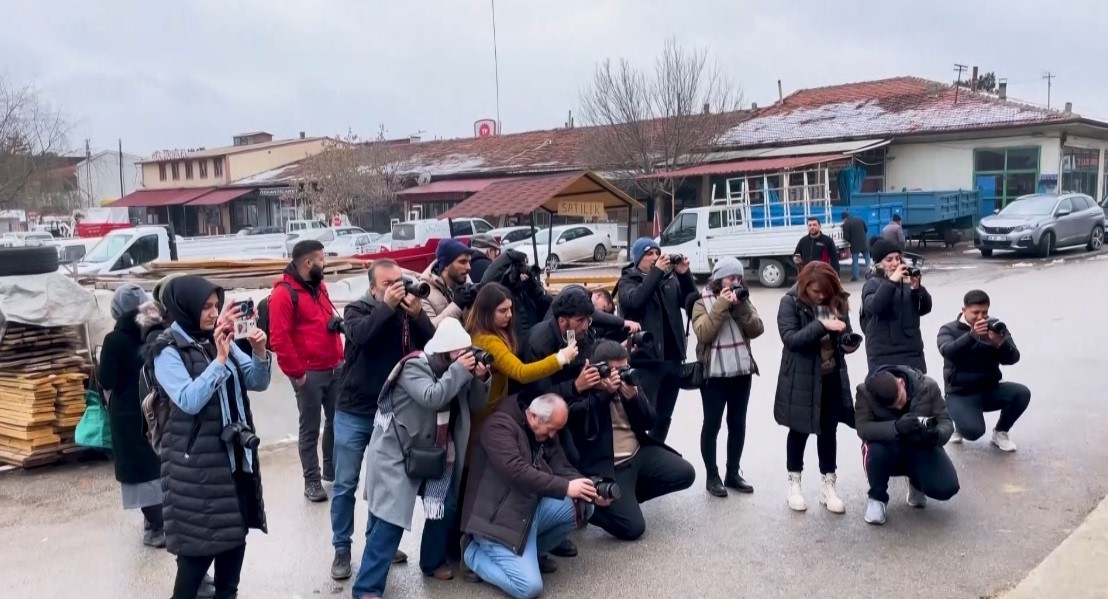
<point>1049,79</point>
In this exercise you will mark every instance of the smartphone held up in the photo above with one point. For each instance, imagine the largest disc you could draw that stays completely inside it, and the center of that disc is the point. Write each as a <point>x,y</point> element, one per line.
<point>246,321</point>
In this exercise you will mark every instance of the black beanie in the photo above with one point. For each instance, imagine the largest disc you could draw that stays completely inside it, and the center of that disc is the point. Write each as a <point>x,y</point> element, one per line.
<point>882,248</point>
<point>882,385</point>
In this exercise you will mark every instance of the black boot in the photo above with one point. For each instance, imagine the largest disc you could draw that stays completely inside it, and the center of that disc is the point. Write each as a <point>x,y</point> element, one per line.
<point>565,549</point>
<point>715,486</point>
<point>735,481</point>
<point>207,588</point>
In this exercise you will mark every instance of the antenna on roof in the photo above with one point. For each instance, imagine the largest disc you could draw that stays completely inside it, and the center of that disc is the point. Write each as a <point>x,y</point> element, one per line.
<point>1049,78</point>
<point>959,68</point>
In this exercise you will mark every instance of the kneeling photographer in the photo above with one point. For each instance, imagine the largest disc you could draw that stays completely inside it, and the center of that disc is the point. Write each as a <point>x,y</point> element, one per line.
<point>974,347</point>
<point>610,430</point>
<point>903,423</point>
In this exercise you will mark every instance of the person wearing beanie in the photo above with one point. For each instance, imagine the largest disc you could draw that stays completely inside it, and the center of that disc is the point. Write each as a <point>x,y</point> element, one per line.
<point>892,304</point>
<point>429,401</point>
<point>816,246</point>
<point>894,233</point>
<point>974,347</point>
<point>903,423</point>
<point>652,291</point>
<point>452,292</point>
<point>725,320</point>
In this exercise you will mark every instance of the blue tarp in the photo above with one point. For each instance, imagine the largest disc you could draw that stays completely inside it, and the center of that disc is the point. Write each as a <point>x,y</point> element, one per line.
<point>850,182</point>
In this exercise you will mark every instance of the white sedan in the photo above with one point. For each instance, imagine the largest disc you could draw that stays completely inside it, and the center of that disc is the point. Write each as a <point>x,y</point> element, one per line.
<point>572,243</point>
<point>351,245</point>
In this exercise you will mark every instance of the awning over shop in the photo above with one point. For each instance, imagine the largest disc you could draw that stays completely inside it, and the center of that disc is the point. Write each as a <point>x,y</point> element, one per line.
<point>154,198</point>
<point>220,196</point>
<point>578,193</point>
<point>445,191</point>
<point>756,165</point>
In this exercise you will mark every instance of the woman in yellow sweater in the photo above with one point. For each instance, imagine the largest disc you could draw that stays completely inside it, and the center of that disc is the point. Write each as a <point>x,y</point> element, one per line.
<point>490,325</point>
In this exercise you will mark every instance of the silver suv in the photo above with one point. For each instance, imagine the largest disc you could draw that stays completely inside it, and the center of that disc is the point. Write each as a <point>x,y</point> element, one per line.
<point>1042,223</point>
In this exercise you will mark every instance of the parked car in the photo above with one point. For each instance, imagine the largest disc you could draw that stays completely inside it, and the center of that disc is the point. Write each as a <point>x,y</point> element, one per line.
<point>415,233</point>
<point>260,231</point>
<point>18,239</point>
<point>508,235</point>
<point>572,243</point>
<point>345,246</point>
<point>382,244</point>
<point>324,236</point>
<point>1043,223</point>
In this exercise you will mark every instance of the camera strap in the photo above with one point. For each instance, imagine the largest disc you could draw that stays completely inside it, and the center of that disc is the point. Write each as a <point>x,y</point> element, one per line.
<point>405,335</point>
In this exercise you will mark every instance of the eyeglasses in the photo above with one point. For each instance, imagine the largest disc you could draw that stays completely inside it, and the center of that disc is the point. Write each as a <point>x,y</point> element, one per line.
<point>587,321</point>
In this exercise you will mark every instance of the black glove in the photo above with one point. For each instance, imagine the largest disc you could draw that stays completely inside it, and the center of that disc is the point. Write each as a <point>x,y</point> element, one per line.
<point>909,426</point>
<point>931,434</point>
<point>465,296</point>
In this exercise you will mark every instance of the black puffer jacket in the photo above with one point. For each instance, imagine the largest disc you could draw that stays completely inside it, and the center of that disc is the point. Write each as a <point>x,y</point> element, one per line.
<point>800,379</point>
<point>878,423</point>
<point>206,511</point>
<point>969,364</point>
<point>654,300</point>
<point>890,320</point>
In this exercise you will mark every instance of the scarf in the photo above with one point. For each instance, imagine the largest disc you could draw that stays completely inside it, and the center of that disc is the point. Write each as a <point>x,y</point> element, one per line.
<point>434,491</point>
<point>729,355</point>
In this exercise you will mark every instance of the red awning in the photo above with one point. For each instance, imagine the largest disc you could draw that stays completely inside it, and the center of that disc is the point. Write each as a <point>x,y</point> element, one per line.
<point>754,165</point>
<point>220,196</point>
<point>155,198</point>
<point>440,191</point>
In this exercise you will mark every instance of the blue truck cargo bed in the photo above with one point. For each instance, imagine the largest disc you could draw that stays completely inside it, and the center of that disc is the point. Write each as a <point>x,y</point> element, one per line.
<point>919,210</point>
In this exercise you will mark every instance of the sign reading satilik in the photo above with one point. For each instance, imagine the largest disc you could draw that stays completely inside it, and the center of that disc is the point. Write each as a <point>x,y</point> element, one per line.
<point>582,209</point>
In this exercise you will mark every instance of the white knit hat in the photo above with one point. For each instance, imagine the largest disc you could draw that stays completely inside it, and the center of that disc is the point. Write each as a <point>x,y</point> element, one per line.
<point>450,336</point>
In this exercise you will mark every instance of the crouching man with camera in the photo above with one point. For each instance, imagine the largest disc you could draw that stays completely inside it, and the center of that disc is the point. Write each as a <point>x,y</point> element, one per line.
<point>903,423</point>
<point>974,347</point>
<point>523,497</point>
<point>610,429</point>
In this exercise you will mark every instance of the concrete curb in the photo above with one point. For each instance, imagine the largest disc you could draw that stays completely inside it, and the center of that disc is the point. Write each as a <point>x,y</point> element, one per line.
<point>1075,569</point>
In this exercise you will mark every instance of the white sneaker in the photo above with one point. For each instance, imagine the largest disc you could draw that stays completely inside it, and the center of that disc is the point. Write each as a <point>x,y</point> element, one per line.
<point>916,498</point>
<point>828,496</point>
<point>1001,440</point>
<point>956,437</point>
<point>875,512</point>
<point>794,495</point>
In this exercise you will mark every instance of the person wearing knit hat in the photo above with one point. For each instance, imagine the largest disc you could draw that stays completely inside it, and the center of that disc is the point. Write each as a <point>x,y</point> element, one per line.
<point>903,423</point>
<point>652,291</point>
<point>893,302</point>
<point>725,321</point>
<point>451,291</point>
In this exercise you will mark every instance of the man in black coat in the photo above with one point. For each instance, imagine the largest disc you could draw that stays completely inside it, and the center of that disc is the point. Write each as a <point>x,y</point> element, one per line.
<point>856,233</point>
<point>610,430</point>
<point>903,423</point>
<point>974,347</point>
<point>892,304</point>
<point>652,292</point>
<point>381,328</point>
<point>815,247</point>
<point>530,301</point>
<point>485,250</point>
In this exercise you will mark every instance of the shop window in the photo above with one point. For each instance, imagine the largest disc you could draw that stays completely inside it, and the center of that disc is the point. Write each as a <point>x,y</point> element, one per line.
<point>217,167</point>
<point>188,169</point>
<point>176,168</point>
<point>203,166</point>
<point>1004,174</point>
<point>161,172</point>
<point>1079,170</point>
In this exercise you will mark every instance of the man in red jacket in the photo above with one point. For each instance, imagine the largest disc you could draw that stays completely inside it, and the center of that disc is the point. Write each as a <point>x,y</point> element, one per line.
<point>305,336</point>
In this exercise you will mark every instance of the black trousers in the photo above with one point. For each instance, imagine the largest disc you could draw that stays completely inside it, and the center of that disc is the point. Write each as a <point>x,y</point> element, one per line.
<point>826,444</point>
<point>653,472</point>
<point>733,395</point>
<point>316,402</point>
<point>928,469</point>
<point>660,383</point>
<point>968,410</point>
<point>191,571</point>
<point>153,516</point>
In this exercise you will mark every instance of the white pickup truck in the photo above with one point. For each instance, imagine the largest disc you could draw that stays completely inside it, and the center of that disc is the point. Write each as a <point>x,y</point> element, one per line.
<point>127,250</point>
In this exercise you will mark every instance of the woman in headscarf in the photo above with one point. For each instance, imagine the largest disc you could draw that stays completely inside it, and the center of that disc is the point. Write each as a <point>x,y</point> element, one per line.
<point>137,467</point>
<point>213,490</point>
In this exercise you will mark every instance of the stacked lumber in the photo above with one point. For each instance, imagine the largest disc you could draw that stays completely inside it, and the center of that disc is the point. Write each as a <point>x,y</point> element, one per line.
<point>42,387</point>
<point>241,268</point>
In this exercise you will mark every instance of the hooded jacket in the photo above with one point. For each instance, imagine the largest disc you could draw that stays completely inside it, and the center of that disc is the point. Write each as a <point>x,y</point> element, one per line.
<point>878,423</point>
<point>654,300</point>
<point>301,341</point>
<point>891,322</point>
<point>971,365</point>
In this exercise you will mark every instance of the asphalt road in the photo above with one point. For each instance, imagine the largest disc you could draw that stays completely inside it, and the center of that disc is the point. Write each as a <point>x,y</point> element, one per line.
<point>64,533</point>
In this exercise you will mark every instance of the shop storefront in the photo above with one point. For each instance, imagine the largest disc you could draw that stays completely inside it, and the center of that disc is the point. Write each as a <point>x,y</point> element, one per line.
<point>1080,168</point>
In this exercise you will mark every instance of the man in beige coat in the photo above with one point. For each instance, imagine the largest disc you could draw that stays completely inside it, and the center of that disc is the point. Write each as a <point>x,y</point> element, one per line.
<point>451,290</point>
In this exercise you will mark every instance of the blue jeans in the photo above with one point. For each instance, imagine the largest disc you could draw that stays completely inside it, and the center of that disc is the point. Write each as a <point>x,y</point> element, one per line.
<point>855,262</point>
<point>382,539</point>
<point>433,547</point>
<point>518,575</point>
<point>352,434</point>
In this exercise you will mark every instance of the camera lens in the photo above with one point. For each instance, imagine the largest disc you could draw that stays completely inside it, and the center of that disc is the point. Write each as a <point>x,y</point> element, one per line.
<point>629,375</point>
<point>642,339</point>
<point>417,288</point>
<point>676,258</point>
<point>603,369</point>
<point>997,326</point>
<point>606,489</point>
<point>482,356</point>
<point>742,293</point>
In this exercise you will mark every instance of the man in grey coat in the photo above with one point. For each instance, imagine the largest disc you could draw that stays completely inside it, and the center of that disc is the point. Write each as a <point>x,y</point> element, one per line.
<point>426,405</point>
<point>894,233</point>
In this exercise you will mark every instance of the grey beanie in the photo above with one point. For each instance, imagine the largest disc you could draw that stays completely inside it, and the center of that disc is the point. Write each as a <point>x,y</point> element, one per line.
<point>127,299</point>
<point>727,267</point>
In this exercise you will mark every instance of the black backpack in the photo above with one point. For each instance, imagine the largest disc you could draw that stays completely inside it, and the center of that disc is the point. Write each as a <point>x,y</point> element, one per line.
<point>263,310</point>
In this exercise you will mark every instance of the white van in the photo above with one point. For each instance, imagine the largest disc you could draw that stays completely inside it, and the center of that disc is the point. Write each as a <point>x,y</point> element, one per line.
<point>415,233</point>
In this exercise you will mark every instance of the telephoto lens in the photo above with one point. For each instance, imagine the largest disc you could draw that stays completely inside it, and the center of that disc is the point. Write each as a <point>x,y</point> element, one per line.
<point>998,327</point>
<point>418,288</point>
<point>642,339</point>
<point>742,293</point>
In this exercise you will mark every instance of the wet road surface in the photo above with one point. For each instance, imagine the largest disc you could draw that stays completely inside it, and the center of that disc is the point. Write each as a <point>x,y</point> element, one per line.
<point>64,533</point>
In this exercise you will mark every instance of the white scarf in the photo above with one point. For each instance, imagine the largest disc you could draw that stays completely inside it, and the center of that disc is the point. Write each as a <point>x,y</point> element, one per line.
<point>729,355</point>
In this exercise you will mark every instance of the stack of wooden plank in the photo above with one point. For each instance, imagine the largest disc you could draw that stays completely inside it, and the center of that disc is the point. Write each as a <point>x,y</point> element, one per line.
<point>241,268</point>
<point>41,392</point>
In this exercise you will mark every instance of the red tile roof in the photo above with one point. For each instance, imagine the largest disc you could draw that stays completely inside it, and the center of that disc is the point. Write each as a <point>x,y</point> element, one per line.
<point>524,195</point>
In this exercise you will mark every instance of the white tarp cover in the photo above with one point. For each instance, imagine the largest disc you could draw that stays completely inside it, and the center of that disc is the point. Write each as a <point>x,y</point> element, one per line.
<point>46,300</point>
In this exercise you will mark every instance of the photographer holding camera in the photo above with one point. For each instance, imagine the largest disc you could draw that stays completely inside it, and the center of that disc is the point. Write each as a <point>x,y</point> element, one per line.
<point>725,321</point>
<point>903,423</point>
<point>530,301</point>
<point>382,327</point>
<point>418,449</point>
<point>610,430</point>
<point>652,291</point>
<point>893,300</point>
<point>974,347</point>
<point>209,453</point>
<point>306,337</point>
<point>452,292</point>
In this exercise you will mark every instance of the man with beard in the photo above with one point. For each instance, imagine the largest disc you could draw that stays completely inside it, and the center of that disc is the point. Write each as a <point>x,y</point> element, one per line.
<point>451,291</point>
<point>305,336</point>
<point>816,246</point>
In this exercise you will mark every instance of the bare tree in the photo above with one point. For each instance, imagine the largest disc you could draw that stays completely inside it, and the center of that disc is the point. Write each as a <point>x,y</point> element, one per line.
<point>351,176</point>
<point>646,123</point>
<point>33,136</point>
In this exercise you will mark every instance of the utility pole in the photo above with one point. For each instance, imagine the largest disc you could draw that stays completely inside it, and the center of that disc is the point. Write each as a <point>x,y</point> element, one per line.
<point>122,189</point>
<point>1049,79</point>
<point>959,68</point>
<point>496,67</point>
<point>88,172</point>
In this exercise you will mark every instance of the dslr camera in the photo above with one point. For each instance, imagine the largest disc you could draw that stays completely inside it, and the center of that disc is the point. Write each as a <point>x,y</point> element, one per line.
<point>850,340</point>
<point>996,326</point>
<point>642,339</point>
<point>626,373</point>
<point>481,356</point>
<point>676,259</point>
<point>606,488</point>
<point>237,433</point>
<point>742,293</point>
<point>416,287</point>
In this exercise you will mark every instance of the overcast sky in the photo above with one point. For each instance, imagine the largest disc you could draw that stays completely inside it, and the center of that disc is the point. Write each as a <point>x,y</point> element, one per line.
<point>163,75</point>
